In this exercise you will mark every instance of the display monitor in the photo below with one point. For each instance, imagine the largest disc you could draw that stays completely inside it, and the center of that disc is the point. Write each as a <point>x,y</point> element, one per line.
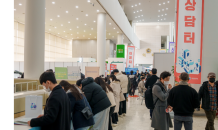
<point>127,70</point>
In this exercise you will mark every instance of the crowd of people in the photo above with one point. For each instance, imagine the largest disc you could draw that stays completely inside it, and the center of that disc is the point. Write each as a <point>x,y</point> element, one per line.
<point>97,104</point>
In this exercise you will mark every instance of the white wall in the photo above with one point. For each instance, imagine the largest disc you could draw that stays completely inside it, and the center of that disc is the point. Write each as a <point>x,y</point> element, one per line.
<point>210,41</point>
<point>150,37</point>
<point>88,48</point>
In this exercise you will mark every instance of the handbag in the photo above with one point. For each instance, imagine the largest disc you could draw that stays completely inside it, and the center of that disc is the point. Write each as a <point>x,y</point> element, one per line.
<point>86,111</point>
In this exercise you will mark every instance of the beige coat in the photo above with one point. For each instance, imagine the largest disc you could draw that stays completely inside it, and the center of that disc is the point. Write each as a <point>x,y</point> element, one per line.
<point>141,86</point>
<point>111,97</point>
<point>116,88</point>
<point>123,82</point>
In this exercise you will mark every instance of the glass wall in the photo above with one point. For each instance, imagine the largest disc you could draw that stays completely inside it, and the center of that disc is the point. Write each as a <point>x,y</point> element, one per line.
<point>55,47</point>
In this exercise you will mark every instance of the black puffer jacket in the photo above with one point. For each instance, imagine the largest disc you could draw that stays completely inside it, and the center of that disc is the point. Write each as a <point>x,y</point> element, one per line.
<point>205,96</point>
<point>95,95</point>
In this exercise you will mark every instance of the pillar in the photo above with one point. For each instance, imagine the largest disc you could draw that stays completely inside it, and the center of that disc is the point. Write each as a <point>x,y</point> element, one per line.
<point>120,38</point>
<point>34,41</point>
<point>101,42</point>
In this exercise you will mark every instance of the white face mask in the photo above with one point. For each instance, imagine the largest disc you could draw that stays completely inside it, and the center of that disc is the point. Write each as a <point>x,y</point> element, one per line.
<point>111,80</point>
<point>166,83</point>
<point>47,90</point>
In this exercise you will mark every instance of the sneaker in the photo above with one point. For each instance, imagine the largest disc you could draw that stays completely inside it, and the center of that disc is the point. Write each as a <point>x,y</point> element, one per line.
<point>124,114</point>
<point>114,125</point>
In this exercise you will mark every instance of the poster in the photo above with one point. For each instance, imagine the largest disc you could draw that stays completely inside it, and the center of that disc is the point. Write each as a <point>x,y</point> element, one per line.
<point>189,34</point>
<point>128,70</point>
<point>74,73</point>
<point>120,51</point>
<point>171,47</point>
<point>130,57</point>
<point>163,50</point>
<point>113,67</point>
<point>61,73</point>
<point>92,72</point>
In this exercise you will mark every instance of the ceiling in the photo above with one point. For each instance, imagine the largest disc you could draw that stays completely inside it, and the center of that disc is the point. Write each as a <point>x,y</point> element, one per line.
<point>78,23</point>
<point>149,10</point>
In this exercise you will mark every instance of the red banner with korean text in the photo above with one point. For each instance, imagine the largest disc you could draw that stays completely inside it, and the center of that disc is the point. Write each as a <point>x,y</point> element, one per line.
<point>189,35</point>
<point>130,57</point>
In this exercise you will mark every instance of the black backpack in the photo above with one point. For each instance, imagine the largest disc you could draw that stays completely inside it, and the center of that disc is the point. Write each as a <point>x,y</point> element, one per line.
<point>149,97</point>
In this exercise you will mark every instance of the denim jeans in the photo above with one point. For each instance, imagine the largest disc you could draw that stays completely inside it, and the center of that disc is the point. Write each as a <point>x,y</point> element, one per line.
<point>186,120</point>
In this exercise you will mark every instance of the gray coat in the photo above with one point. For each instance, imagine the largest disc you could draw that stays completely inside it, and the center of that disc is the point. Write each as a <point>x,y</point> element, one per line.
<point>160,119</point>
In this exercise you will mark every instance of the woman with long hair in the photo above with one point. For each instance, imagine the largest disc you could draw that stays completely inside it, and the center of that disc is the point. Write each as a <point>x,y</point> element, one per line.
<point>115,85</point>
<point>110,95</point>
<point>78,103</point>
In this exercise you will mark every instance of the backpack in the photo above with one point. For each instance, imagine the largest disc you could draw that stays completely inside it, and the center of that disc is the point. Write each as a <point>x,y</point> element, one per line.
<point>149,97</point>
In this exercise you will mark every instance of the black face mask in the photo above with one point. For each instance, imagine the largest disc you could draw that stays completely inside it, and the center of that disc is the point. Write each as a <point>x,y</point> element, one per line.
<point>212,80</point>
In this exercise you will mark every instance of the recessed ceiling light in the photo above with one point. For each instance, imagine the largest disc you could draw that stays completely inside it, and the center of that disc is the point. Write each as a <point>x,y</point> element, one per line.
<point>110,23</point>
<point>137,11</point>
<point>165,14</point>
<point>117,32</point>
<point>64,31</point>
<point>77,26</point>
<point>55,27</point>
<point>168,1</point>
<point>58,33</point>
<point>86,14</point>
<point>138,16</point>
<point>162,9</point>
<point>84,30</point>
<point>161,19</point>
<point>164,3</point>
<point>20,4</point>
<point>58,16</point>
<point>71,34</point>
<point>77,32</point>
<point>158,15</point>
<point>114,28</point>
<point>69,22</point>
<point>142,15</point>
<point>53,2</point>
<point>88,0</point>
<point>166,8</point>
<point>45,8</point>
<point>83,36</point>
<point>66,11</point>
<point>158,10</point>
<point>140,20</point>
<point>61,24</point>
<point>139,3</point>
<point>94,21</point>
<point>135,5</point>
<point>90,34</point>
<point>132,6</point>
<point>95,37</point>
<point>85,24</point>
<point>77,37</point>
<point>97,10</point>
<point>133,12</point>
<point>77,7</point>
<point>137,21</point>
<point>77,18</point>
<point>89,38</point>
<point>65,36</point>
<point>70,29</point>
<point>162,15</point>
<point>14,9</point>
<point>112,36</point>
<point>49,29</point>
<point>140,10</point>
<point>157,20</point>
<point>92,28</point>
<point>51,19</point>
<point>109,34</point>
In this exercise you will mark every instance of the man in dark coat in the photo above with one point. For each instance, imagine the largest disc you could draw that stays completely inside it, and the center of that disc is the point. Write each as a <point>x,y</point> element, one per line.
<point>150,82</point>
<point>209,94</point>
<point>57,113</point>
<point>98,101</point>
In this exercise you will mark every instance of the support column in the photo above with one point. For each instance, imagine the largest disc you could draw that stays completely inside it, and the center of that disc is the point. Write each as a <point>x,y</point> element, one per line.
<point>101,42</point>
<point>120,38</point>
<point>34,42</point>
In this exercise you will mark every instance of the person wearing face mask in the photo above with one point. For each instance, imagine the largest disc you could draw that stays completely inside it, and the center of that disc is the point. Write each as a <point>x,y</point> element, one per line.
<point>208,92</point>
<point>141,86</point>
<point>115,85</point>
<point>57,108</point>
<point>161,119</point>
<point>78,103</point>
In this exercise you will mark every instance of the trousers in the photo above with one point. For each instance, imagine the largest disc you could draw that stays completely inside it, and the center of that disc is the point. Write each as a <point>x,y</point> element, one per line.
<point>101,120</point>
<point>179,120</point>
<point>110,116</point>
<point>211,115</point>
<point>122,108</point>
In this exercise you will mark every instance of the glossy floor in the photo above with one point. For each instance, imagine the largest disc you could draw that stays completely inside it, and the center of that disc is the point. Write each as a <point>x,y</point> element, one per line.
<point>137,118</point>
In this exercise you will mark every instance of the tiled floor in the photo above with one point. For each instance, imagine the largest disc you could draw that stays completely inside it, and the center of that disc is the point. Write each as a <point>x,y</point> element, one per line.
<point>137,118</point>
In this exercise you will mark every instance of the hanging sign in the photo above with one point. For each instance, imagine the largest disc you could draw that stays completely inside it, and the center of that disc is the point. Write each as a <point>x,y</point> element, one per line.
<point>92,72</point>
<point>113,67</point>
<point>189,34</point>
<point>130,57</point>
<point>120,51</point>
